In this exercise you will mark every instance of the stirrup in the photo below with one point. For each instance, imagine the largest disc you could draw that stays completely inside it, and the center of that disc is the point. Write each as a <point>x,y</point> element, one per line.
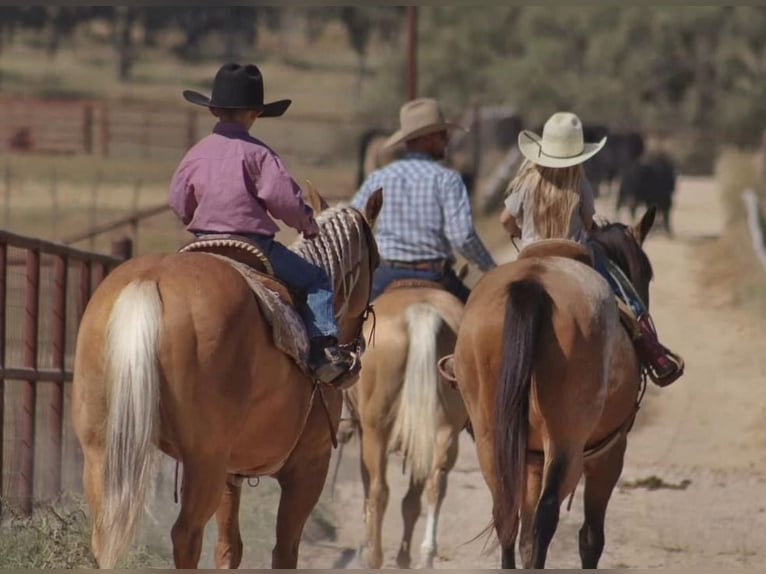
<point>672,376</point>
<point>337,376</point>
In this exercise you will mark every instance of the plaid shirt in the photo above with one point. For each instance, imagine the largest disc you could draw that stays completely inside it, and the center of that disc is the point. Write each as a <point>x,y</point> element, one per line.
<point>426,213</point>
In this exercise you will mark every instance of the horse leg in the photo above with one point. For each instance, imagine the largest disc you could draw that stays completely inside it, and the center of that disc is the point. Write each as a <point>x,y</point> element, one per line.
<point>301,484</point>
<point>203,482</point>
<point>601,476</point>
<point>558,477</point>
<point>365,477</point>
<point>445,455</point>
<point>508,555</point>
<point>410,513</point>
<point>93,479</point>
<point>532,495</point>
<point>375,460</point>
<point>228,551</point>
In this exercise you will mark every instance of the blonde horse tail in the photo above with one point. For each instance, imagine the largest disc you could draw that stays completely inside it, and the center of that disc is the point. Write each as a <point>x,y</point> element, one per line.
<point>414,429</point>
<point>133,381</point>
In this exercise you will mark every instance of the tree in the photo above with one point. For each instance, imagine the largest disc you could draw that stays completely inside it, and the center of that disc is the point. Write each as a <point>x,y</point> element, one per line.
<point>358,23</point>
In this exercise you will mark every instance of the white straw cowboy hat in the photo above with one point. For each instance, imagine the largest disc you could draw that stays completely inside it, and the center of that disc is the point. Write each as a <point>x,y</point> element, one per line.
<point>561,145</point>
<point>418,118</point>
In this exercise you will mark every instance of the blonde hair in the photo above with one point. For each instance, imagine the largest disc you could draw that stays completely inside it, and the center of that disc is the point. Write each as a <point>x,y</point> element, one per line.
<point>554,194</point>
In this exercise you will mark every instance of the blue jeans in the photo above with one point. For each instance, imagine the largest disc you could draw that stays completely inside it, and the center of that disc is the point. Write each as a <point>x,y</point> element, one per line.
<point>626,294</point>
<point>385,275</point>
<point>301,275</point>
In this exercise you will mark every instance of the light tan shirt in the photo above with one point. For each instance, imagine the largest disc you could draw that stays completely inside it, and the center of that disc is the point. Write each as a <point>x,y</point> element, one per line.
<point>519,204</point>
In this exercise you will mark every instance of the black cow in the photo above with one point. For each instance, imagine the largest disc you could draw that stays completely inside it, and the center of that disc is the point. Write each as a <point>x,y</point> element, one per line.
<point>649,181</point>
<point>609,165</point>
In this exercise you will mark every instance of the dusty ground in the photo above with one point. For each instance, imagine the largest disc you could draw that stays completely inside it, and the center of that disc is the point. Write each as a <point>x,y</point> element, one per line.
<point>709,428</point>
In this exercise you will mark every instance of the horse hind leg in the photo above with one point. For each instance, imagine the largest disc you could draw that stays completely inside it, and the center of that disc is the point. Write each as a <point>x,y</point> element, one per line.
<point>445,455</point>
<point>601,476</point>
<point>534,480</point>
<point>559,478</point>
<point>228,552</point>
<point>93,485</point>
<point>374,458</point>
<point>410,512</point>
<point>203,482</point>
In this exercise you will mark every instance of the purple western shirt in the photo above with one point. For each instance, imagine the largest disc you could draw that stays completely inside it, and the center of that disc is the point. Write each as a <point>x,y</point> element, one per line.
<point>229,182</point>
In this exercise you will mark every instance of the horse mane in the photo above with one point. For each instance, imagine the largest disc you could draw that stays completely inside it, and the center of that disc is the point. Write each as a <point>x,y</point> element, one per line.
<point>614,241</point>
<point>337,248</point>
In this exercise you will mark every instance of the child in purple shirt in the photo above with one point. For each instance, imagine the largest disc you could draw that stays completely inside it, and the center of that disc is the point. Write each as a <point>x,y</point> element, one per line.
<point>229,182</point>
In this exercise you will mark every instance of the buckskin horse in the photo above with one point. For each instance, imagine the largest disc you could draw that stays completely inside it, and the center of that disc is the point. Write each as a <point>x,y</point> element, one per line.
<point>174,351</point>
<point>552,384</point>
<point>401,404</point>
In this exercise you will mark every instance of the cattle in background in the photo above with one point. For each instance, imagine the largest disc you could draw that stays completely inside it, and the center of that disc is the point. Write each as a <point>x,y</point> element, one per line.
<point>608,165</point>
<point>649,181</point>
<point>620,151</point>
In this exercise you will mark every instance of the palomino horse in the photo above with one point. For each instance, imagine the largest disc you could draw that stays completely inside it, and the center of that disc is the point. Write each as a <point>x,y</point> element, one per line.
<point>174,351</point>
<point>551,383</point>
<point>401,404</point>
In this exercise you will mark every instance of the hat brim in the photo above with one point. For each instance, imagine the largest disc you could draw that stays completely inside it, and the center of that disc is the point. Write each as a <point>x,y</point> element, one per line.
<point>530,146</point>
<point>270,110</point>
<point>400,136</point>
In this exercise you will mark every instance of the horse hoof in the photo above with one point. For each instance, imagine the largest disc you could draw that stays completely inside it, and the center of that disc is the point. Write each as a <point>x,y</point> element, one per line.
<point>403,560</point>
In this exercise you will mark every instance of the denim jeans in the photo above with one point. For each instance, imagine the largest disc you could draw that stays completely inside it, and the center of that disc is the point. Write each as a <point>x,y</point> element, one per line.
<point>626,294</point>
<point>385,275</point>
<point>301,275</point>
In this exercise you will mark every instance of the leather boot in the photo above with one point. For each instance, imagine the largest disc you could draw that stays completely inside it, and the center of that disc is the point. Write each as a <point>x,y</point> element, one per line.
<point>664,366</point>
<point>329,362</point>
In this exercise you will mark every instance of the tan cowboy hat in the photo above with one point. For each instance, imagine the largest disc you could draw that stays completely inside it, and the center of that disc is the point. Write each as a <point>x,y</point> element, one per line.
<point>561,144</point>
<point>418,118</point>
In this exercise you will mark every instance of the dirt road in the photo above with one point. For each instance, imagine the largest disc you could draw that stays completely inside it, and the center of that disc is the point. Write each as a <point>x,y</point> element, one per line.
<point>709,429</point>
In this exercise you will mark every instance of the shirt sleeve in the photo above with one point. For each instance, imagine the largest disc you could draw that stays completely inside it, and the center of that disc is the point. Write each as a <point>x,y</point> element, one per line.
<point>514,203</point>
<point>587,207</point>
<point>182,200</point>
<point>459,227</point>
<point>281,195</point>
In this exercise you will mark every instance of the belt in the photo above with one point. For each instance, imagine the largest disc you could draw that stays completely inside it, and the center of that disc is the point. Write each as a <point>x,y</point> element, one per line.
<point>435,265</point>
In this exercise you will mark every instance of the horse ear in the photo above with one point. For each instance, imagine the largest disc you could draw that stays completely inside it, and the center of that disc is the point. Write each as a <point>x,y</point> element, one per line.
<point>372,208</point>
<point>641,230</point>
<point>314,198</point>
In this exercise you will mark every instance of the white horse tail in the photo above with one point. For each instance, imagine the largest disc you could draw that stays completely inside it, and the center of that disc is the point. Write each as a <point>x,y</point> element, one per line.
<point>133,381</point>
<point>414,429</point>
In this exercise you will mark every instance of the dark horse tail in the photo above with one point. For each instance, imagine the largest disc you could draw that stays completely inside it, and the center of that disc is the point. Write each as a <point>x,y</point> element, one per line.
<point>526,310</point>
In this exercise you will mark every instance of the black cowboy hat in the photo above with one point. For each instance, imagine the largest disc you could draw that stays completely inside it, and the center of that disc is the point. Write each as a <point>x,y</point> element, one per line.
<point>238,87</point>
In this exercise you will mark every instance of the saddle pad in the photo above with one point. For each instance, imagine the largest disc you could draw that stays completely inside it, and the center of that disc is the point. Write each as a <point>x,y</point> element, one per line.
<point>287,328</point>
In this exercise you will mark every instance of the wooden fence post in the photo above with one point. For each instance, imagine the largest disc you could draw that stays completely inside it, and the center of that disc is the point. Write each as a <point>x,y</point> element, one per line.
<point>87,129</point>
<point>105,130</point>
<point>122,248</point>
<point>3,283</point>
<point>29,389</point>
<point>58,337</point>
